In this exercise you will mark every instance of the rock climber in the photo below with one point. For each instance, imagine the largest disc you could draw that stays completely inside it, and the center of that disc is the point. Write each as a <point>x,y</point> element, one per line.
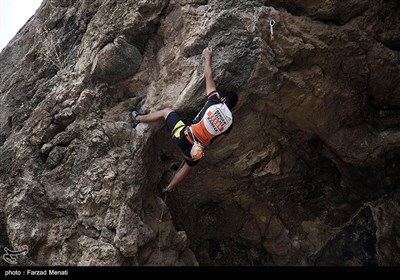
<point>211,124</point>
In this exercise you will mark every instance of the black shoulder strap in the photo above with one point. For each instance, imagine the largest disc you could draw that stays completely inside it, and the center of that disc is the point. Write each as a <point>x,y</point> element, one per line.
<point>208,95</point>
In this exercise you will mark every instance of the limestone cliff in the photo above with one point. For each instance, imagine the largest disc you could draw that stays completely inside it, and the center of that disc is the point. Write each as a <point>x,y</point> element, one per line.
<point>308,176</point>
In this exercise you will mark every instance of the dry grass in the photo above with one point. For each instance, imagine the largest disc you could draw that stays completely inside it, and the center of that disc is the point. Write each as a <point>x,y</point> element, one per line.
<point>50,48</point>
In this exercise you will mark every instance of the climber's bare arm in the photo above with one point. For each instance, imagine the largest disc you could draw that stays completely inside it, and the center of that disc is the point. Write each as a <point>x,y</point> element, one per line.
<point>210,84</point>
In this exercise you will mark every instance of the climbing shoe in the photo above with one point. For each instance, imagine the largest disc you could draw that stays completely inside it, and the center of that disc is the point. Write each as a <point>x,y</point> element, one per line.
<point>135,122</point>
<point>165,190</point>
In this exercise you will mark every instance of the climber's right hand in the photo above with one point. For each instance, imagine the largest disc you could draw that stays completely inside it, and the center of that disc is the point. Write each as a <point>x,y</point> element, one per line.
<point>207,52</point>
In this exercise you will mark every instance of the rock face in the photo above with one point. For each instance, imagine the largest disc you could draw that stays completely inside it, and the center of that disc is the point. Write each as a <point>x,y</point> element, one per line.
<point>308,176</point>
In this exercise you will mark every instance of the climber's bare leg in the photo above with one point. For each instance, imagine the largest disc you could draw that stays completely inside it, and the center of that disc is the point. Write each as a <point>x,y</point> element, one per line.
<point>154,116</point>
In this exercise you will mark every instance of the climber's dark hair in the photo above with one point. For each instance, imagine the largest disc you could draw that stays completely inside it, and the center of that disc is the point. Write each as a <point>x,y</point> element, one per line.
<point>231,99</point>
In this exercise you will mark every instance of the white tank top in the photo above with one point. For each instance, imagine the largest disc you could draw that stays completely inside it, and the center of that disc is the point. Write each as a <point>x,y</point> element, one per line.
<point>216,120</point>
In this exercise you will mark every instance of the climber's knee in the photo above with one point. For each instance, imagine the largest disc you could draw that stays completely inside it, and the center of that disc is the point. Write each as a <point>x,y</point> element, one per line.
<point>166,112</point>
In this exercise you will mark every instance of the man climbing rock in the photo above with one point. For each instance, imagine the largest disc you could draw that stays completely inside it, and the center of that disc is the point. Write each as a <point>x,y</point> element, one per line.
<point>211,124</point>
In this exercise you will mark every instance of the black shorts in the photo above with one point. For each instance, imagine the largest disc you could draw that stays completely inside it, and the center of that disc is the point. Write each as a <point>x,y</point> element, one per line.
<point>177,126</point>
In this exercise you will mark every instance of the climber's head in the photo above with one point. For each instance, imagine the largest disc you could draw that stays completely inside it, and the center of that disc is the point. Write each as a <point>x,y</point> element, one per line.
<point>230,99</point>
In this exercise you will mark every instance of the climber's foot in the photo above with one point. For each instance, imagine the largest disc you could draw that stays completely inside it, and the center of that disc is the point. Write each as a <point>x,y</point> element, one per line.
<point>135,122</point>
